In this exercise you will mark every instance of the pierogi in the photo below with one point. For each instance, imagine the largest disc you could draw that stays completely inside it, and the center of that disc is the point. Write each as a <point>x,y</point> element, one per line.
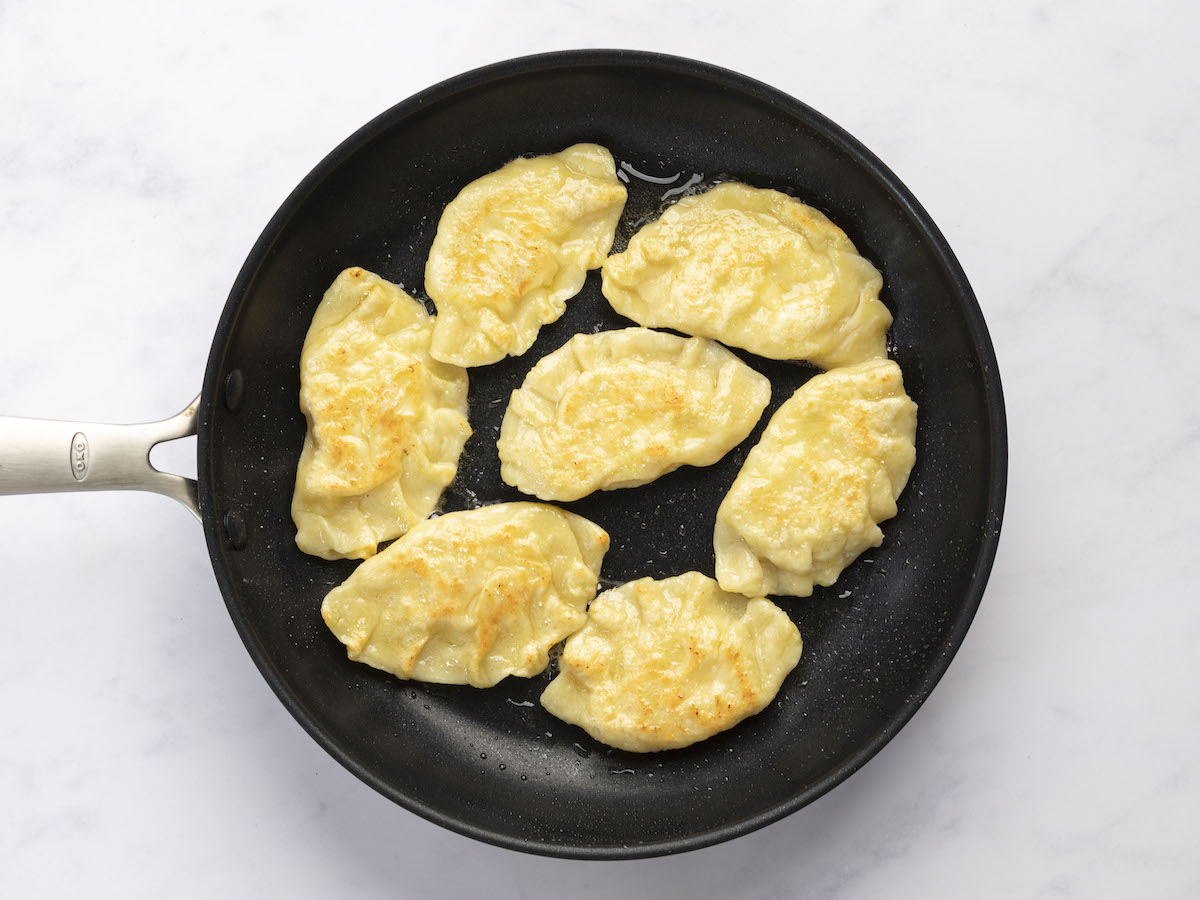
<point>620,408</point>
<point>471,597</point>
<point>514,246</point>
<point>386,421</point>
<point>829,467</point>
<point>755,269</point>
<point>663,664</point>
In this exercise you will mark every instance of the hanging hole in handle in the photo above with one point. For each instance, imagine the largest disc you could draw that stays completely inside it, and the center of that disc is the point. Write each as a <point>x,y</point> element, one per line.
<point>175,457</point>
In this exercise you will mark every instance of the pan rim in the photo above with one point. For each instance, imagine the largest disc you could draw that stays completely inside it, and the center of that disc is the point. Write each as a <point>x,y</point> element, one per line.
<point>712,75</point>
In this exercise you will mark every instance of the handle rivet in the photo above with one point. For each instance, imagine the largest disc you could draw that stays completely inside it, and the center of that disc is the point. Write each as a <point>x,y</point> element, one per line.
<point>235,387</point>
<point>235,528</point>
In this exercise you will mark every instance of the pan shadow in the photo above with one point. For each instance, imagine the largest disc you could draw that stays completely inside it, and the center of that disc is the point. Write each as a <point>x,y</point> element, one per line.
<point>842,838</point>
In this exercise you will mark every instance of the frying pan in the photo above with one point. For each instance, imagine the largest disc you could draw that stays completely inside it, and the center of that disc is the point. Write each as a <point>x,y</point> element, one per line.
<point>492,764</point>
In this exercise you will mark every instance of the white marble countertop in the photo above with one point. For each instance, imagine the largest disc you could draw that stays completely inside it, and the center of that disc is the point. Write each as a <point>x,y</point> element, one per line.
<point>144,146</point>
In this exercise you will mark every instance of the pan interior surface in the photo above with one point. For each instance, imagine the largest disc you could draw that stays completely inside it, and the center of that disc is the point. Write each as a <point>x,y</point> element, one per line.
<point>491,763</point>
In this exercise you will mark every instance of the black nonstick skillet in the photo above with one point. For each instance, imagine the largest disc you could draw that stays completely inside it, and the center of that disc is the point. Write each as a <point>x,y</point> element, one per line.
<point>492,764</point>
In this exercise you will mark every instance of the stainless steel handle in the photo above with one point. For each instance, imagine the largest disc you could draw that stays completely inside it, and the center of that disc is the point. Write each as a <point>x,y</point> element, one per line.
<point>42,456</point>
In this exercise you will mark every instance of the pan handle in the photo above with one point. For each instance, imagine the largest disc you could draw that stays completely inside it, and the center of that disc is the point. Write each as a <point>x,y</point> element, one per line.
<point>43,456</point>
